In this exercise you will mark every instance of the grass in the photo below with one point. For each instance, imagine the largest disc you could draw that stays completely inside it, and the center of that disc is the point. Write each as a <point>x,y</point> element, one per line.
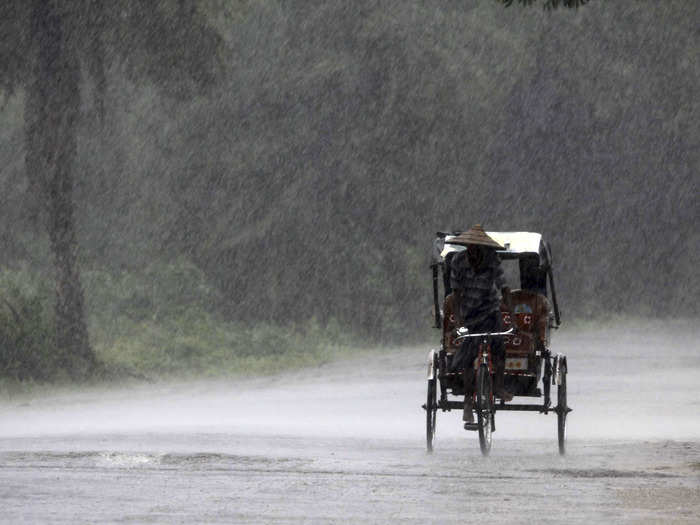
<point>163,323</point>
<point>200,345</point>
<point>154,325</point>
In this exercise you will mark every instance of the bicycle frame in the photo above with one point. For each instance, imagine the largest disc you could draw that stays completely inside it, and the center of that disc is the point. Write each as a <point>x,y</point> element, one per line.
<point>484,353</point>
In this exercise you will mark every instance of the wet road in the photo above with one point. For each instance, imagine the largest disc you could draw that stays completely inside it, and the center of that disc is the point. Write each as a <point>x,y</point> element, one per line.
<point>344,443</point>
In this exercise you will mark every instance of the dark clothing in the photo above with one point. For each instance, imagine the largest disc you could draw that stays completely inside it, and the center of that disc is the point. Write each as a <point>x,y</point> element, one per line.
<point>478,297</point>
<point>478,291</point>
<point>467,352</point>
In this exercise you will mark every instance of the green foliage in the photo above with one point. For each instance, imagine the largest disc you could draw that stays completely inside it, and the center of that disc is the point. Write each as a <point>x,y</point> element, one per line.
<point>27,349</point>
<point>310,182</point>
<point>548,4</point>
<point>157,323</point>
<point>165,321</point>
<point>160,290</point>
<point>199,344</point>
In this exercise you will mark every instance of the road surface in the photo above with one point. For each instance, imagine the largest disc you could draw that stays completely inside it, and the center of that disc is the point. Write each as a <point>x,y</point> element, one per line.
<point>345,443</point>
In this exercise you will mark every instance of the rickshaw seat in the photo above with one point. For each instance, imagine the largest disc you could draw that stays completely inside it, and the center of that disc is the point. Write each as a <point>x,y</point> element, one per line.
<point>531,313</point>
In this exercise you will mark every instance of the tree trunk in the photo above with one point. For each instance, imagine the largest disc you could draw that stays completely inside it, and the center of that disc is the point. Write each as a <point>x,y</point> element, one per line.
<point>51,117</point>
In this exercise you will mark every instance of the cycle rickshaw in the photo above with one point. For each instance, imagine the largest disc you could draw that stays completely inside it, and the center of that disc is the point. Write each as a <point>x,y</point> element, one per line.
<point>527,322</point>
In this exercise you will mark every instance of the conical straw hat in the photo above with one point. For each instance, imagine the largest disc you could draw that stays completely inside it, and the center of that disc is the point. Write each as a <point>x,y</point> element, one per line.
<point>475,235</point>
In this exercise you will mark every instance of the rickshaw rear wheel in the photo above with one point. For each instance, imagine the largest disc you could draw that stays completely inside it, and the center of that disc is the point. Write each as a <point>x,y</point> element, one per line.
<point>484,404</point>
<point>431,413</point>
<point>562,410</point>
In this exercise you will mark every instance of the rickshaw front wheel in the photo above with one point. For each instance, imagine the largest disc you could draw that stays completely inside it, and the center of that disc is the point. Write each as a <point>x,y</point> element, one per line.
<point>484,405</point>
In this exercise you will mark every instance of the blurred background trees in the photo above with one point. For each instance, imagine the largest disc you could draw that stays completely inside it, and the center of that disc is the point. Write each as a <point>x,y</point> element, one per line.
<point>301,155</point>
<point>48,45</point>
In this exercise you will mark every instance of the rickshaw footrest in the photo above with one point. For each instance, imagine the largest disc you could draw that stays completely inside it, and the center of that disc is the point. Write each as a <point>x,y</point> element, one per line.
<point>523,408</point>
<point>449,405</point>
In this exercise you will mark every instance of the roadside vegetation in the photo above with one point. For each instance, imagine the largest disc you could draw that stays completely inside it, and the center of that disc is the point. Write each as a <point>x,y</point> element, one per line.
<point>158,324</point>
<point>252,185</point>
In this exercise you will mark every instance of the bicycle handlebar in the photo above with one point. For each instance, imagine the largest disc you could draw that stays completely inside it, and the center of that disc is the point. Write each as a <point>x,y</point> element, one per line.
<point>463,333</point>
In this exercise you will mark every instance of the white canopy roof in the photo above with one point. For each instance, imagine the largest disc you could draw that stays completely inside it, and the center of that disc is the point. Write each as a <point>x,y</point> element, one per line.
<point>514,242</point>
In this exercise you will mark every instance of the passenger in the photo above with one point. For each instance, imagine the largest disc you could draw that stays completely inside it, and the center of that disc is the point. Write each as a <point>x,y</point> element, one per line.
<point>534,289</point>
<point>477,282</point>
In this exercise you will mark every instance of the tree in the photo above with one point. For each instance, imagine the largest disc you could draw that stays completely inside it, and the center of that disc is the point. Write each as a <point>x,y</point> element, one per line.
<point>65,41</point>
<point>51,117</point>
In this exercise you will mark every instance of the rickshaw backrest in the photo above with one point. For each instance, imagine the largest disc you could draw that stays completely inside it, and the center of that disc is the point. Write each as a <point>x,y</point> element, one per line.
<point>531,313</point>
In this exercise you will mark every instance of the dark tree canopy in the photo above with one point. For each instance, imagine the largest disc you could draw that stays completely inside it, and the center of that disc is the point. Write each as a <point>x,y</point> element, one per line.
<point>46,45</point>
<point>547,4</point>
<point>305,162</point>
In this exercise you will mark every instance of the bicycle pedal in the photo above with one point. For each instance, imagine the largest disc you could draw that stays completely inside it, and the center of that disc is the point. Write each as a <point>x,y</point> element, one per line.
<point>471,426</point>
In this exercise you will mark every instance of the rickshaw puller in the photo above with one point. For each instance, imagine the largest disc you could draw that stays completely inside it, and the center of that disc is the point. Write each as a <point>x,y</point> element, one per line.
<point>477,282</point>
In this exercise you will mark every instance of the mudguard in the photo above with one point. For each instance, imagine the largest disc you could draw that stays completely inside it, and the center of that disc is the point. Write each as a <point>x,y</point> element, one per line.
<point>559,369</point>
<point>431,363</point>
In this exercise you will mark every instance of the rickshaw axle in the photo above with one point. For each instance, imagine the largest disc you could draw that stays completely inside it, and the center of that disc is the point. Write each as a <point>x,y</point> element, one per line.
<point>459,405</point>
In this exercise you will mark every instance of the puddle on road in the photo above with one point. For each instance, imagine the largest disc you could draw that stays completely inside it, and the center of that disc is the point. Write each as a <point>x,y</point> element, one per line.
<point>135,460</point>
